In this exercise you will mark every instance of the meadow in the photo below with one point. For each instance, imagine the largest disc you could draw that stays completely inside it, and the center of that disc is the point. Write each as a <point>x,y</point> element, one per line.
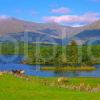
<point>38,88</point>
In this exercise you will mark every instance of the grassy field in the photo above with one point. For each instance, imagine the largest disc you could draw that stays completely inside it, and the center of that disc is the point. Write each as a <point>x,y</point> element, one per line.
<point>13,88</point>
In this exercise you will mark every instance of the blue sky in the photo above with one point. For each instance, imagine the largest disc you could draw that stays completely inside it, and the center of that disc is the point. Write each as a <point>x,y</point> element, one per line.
<point>59,11</point>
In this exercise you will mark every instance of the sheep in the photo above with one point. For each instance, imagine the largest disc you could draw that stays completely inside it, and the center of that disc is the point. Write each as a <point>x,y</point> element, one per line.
<point>62,80</point>
<point>22,71</point>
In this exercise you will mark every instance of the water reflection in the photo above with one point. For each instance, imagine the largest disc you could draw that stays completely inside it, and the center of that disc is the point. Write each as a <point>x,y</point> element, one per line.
<point>68,74</point>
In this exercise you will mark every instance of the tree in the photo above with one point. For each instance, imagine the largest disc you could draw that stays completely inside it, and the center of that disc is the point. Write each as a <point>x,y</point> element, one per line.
<point>73,53</point>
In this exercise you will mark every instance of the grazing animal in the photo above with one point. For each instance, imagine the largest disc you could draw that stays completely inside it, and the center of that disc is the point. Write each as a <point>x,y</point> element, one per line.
<point>22,71</point>
<point>19,74</point>
<point>62,80</point>
<point>18,71</point>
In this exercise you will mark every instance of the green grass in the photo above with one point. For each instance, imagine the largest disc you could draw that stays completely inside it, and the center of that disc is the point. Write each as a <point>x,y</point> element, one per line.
<point>12,88</point>
<point>69,68</point>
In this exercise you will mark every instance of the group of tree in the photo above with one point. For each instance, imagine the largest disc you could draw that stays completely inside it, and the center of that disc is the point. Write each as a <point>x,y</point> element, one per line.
<point>72,54</point>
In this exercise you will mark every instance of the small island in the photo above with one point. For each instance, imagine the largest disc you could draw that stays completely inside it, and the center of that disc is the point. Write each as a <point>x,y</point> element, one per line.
<point>68,68</point>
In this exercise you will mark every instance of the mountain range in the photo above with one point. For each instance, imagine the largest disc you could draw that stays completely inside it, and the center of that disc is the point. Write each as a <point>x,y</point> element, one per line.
<point>16,29</point>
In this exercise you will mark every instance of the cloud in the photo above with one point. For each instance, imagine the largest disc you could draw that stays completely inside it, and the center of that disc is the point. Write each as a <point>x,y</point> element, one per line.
<point>62,10</point>
<point>3,17</point>
<point>73,19</point>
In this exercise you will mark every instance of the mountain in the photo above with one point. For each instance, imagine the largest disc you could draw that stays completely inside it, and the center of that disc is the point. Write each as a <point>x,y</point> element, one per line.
<point>47,32</point>
<point>90,33</point>
<point>94,25</point>
<point>13,25</point>
<point>41,32</point>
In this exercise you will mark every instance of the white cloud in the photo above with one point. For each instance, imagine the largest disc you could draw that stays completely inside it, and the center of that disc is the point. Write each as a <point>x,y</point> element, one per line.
<point>73,19</point>
<point>62,10</point>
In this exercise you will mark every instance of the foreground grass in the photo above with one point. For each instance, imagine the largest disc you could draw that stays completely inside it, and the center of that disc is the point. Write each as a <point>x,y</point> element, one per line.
<point>12,88</point>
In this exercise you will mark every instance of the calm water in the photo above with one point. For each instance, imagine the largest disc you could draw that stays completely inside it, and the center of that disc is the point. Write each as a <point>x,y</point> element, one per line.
<point>9,62</point>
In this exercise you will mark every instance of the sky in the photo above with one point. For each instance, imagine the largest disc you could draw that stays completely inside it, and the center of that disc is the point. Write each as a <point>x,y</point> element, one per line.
<point>67,12</point>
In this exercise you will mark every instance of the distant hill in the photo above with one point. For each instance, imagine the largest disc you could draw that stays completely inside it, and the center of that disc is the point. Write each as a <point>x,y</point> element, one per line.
<point>47,32</point>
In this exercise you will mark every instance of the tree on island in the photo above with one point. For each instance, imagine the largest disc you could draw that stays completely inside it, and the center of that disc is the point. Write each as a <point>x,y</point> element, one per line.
<point>73,53</point>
